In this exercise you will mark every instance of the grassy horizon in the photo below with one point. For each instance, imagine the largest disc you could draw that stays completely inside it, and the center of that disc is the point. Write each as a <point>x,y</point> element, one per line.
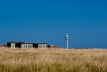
<point>53,60</point>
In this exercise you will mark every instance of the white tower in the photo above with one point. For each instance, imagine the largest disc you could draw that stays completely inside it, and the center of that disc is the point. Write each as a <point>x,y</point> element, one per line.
<point>67,38</point>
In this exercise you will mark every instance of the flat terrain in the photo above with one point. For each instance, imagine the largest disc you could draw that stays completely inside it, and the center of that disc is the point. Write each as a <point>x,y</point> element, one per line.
<point>53,60</point>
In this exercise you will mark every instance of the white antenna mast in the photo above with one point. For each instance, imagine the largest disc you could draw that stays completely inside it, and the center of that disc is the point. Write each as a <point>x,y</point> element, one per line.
<point>67,38</point>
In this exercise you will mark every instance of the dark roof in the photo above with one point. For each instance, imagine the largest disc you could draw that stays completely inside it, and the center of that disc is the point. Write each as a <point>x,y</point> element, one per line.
<point>42,43</point>
<point>26,42</point>
<point>15,42</point>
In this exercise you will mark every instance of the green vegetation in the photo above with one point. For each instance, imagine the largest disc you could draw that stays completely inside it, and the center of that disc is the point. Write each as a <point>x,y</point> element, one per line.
<point>53,60</point>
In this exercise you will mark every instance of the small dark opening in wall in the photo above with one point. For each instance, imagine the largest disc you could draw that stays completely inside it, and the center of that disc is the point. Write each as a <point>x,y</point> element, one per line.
<point>18,45</point>
<point>8,44</point>
<point>35,45</point>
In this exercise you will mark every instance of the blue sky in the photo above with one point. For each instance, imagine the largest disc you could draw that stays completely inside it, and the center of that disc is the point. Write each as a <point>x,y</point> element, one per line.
<point>26,20</point>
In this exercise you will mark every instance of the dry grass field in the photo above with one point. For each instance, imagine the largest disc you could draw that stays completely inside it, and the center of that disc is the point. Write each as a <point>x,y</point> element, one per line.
<point>53,60</point>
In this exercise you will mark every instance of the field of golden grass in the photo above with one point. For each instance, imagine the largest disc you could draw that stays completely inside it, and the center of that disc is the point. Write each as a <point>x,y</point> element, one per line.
<point>53,60</point>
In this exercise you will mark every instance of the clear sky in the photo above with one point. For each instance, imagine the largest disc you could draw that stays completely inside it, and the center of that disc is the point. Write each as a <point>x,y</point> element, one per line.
<point>25,20</point>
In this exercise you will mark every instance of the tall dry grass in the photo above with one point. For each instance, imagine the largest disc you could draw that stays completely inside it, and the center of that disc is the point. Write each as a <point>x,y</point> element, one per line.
<point>53,60</point>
